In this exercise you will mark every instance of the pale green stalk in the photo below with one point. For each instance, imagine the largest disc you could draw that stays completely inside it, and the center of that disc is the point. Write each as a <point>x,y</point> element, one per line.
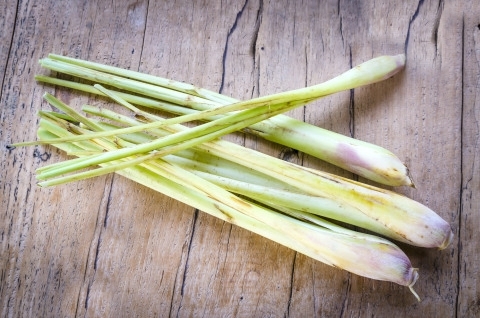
<point>390,214</point>
<point>416,223</point>
<point>252,111</point>
<point>369,72</point>
<point>134,99</point>
<point>364,74</point>
<point>183,140</point>
<point>155,80</point>
<point>346,152</point>
<point>271,196</point>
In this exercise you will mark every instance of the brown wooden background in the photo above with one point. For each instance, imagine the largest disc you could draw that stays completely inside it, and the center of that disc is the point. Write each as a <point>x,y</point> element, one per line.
<point>109,247</point>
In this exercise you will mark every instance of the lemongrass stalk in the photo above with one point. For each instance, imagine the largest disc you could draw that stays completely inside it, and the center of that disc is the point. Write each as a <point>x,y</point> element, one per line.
<point>318,205</point>
<point>192,159</point>
<point>414,222</point>
<point>134,99</point>
<point>155,80</point>
<point>365,159</point>
<point>367,73</point>
<point>361,254</point>
<point>347,153</point>
<point>253,111</point>
<point>352,78</point>
<point>124,83</point>
<point>321,222</point>
<point>184,139</point>
<point>386,208</point>
<point>233,123</point>
<point>238,121</point>
<point>346,148</point>
<point>440,230</point>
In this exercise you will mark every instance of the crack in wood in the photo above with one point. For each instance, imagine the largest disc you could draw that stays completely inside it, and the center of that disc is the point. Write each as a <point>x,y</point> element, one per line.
<point>225,50</point>
<point>10,48</point>
<point>341,30</point>
<point>253,50</point>
<point>345,297</point>
<point>109,200</point>
<point>292,283</point>
<point>441,5</point>
<point>97,252</point>
<point>185,267</point>
<point>412,19</point>
<point>351,104</point>
<point>460,208</point>
<point>143,38</point>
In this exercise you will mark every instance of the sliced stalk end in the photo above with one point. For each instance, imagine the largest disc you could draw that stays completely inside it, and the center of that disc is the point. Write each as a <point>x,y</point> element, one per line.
<point>447,242</point>
<point>400,61</point>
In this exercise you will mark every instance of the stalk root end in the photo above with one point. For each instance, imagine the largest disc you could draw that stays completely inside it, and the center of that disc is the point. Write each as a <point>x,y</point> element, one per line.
<point>414,280</point>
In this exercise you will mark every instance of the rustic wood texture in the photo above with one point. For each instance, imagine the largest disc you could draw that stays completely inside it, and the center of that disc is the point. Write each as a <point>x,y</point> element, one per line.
<point>112,248</point>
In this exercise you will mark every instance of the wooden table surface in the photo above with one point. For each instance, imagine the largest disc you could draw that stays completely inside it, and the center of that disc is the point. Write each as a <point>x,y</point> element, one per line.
<point>112,248</point>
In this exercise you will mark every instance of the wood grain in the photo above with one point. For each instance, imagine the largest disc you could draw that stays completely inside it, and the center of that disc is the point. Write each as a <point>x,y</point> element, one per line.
<point>469,222</point>
<point>112,248</point>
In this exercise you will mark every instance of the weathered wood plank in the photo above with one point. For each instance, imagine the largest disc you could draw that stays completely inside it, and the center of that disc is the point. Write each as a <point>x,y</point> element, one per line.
<point>468,301</point>
<point>417,105</point>
<point>320,46</point>
<point>42,258</point>
<point>224,263</point>
<point>109,247</point>
<point>49,237</point>
<point>375,112</point>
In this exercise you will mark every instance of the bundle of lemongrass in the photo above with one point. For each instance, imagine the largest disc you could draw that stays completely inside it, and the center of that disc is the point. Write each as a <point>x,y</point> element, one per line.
<point>276,199</point>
